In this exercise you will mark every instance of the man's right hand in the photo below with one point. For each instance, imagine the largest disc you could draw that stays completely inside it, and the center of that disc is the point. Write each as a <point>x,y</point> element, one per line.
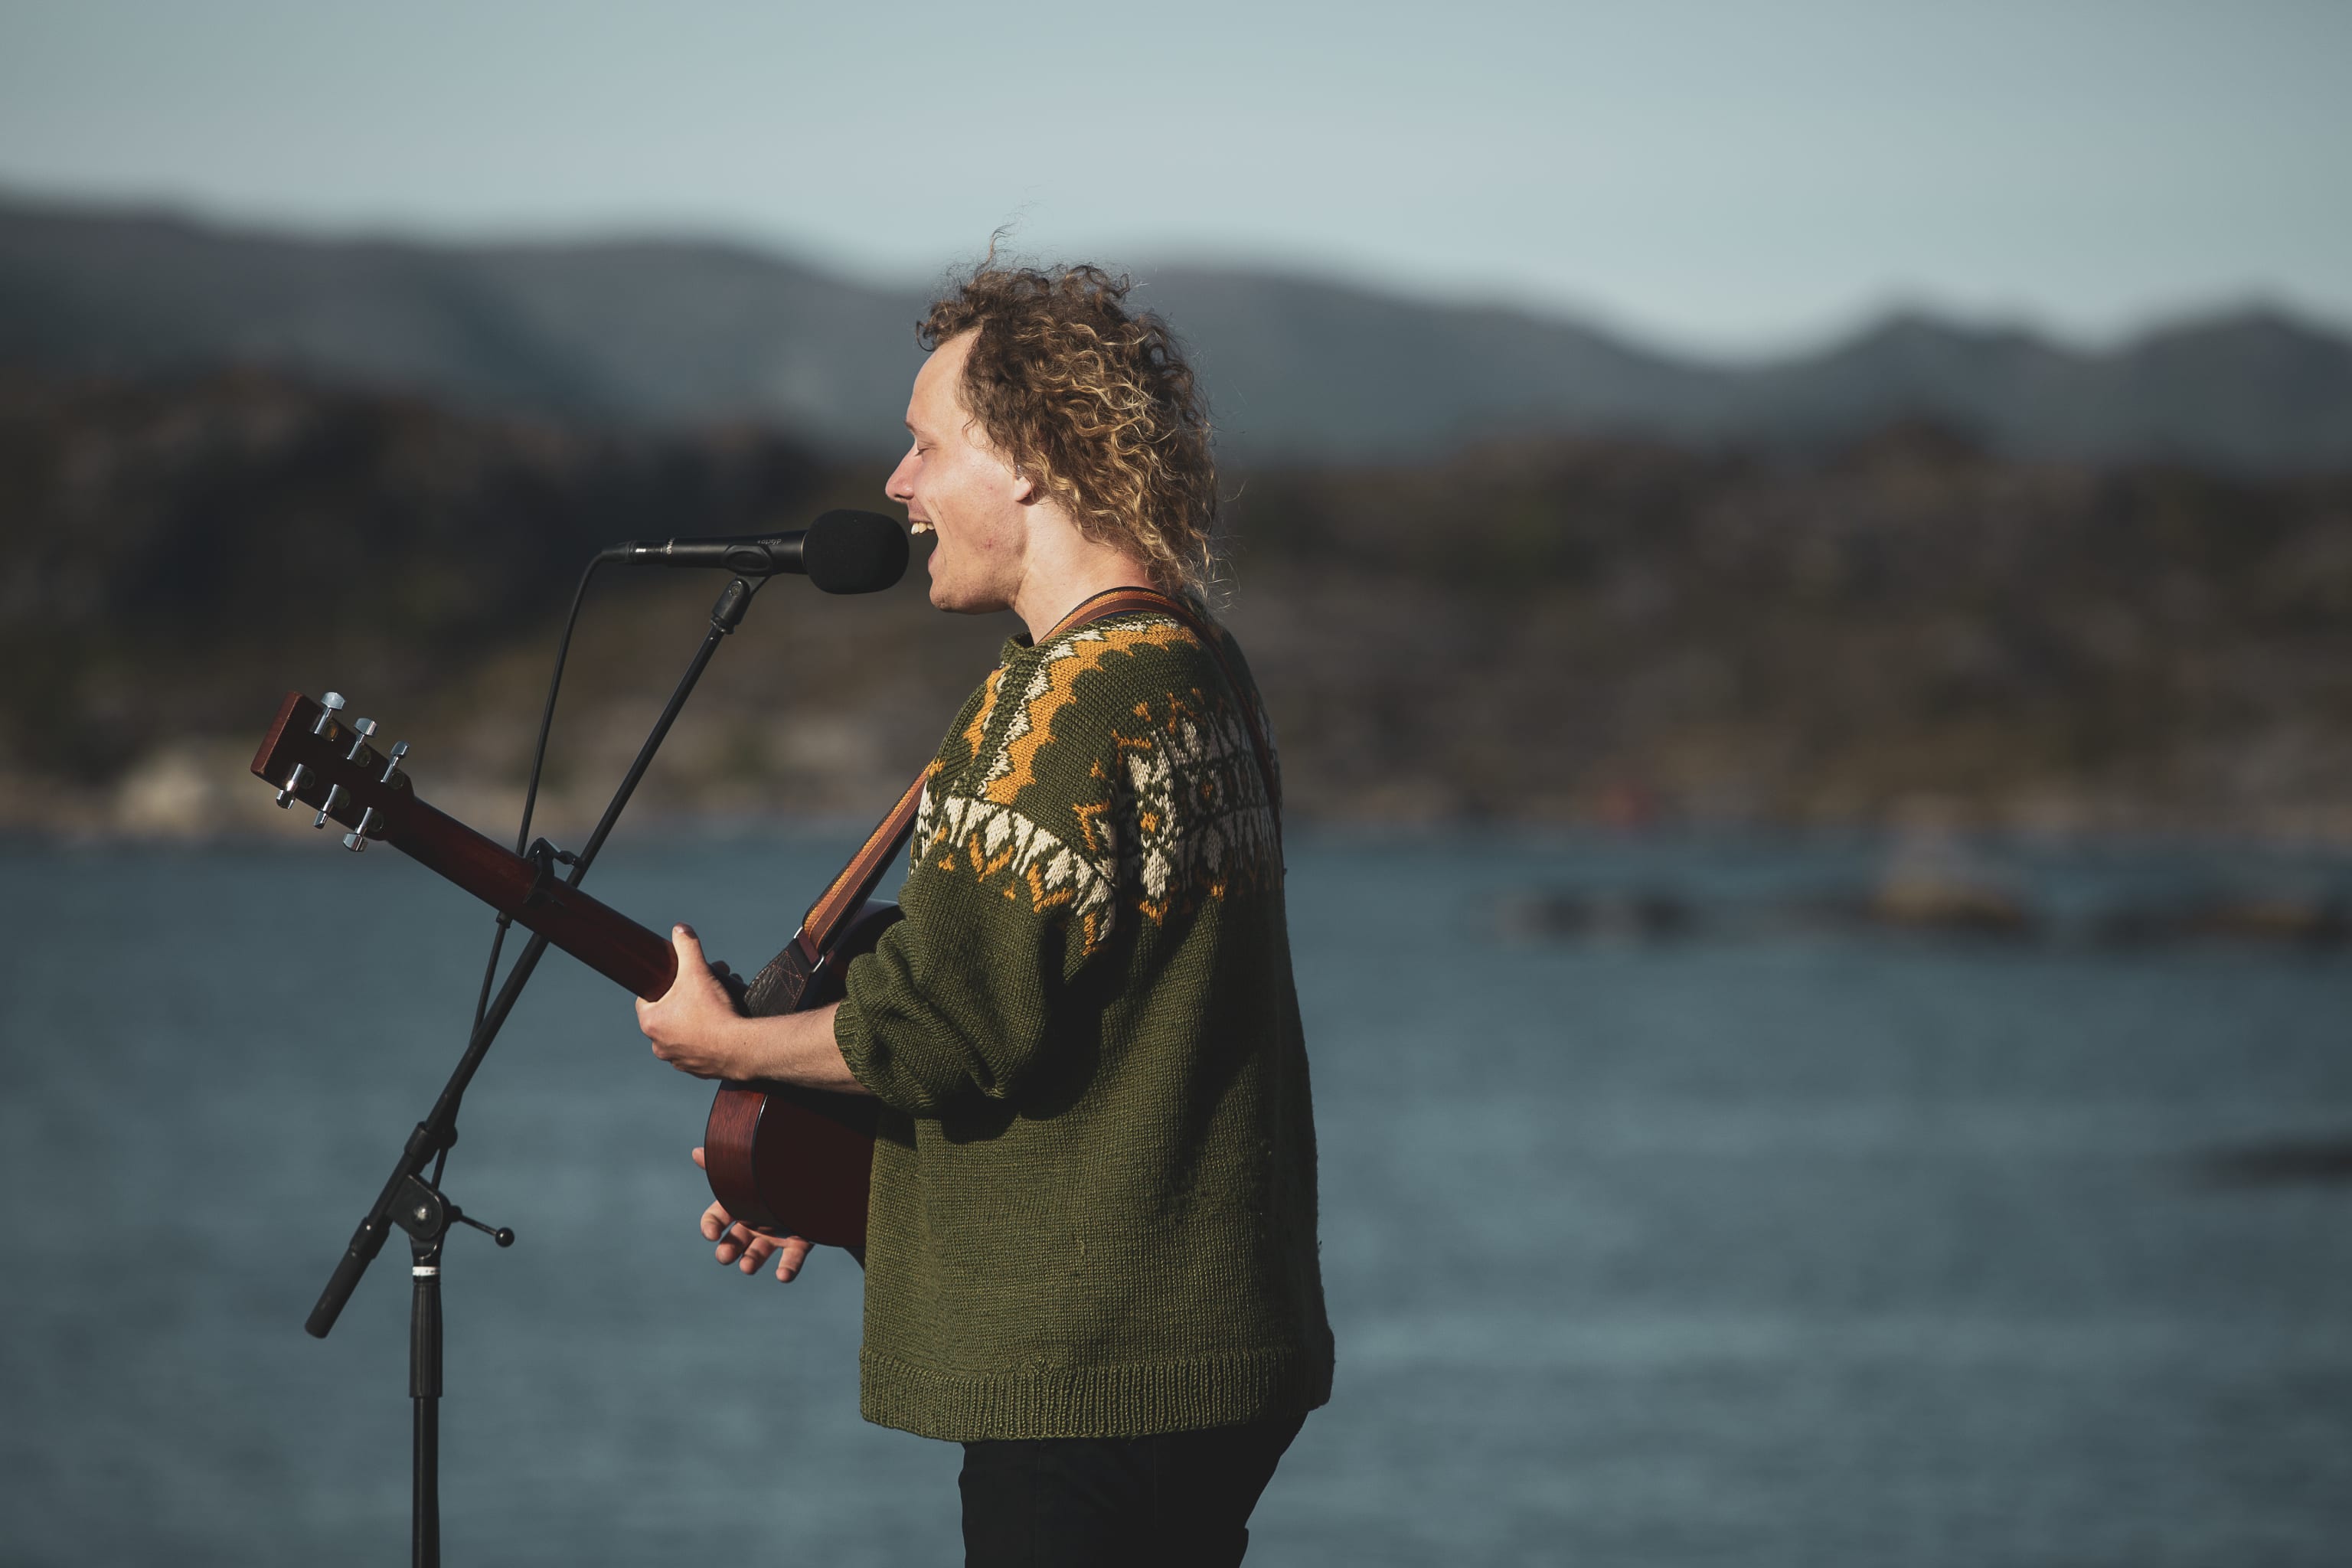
<point>750,1250</point>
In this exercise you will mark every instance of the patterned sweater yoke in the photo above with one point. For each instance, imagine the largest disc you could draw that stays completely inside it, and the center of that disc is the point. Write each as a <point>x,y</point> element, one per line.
<point>1160,735</point>
<point>1094,1194</point>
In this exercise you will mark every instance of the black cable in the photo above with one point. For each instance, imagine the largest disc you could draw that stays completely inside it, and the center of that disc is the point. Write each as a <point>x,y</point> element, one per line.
<point>490,970</point>
<point>530,791</point>
<point>547,714</point>
<point>530,802</point>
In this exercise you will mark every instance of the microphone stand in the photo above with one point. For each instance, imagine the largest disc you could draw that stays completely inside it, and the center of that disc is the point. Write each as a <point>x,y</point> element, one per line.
<point>416,1204</point>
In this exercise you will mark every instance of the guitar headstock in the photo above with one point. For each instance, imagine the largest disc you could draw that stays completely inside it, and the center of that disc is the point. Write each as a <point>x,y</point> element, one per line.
<point>316,754</point>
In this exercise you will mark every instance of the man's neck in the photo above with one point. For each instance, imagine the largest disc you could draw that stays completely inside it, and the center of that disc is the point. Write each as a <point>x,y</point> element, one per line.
<point>1052,590</point>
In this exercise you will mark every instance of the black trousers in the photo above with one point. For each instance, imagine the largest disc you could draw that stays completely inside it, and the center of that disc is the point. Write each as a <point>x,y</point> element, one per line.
<point>1121,1502</point>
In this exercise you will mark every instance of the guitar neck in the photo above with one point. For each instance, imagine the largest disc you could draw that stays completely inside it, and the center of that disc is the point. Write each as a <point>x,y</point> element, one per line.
<point>639,960</point>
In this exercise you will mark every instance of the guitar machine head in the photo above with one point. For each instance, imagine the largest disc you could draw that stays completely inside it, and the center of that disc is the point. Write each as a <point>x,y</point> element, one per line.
<point>316,755</point>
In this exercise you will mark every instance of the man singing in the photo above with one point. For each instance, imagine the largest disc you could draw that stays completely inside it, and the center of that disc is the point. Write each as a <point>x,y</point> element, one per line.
<point>1090,1246</point>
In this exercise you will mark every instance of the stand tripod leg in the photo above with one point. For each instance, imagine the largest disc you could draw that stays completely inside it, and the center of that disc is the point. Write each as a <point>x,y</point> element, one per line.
<point>424,1392</point>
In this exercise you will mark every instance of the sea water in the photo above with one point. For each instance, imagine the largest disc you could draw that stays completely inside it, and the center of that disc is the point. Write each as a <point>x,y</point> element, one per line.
<point>1793,1246</point>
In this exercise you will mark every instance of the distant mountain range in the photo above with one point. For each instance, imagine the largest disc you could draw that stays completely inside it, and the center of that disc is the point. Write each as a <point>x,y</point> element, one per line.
<point>673,332</point>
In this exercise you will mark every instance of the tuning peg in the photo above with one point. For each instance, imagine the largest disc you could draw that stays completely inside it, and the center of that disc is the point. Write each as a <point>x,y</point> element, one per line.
<point>399,749</point>
<point>329,706</point>
<point>293,786</point>
<point>337,797</point>
<point>361,729</point>
<point>370,825</point>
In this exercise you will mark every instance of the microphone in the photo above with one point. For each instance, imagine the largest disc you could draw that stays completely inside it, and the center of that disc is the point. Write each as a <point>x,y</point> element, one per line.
<point>842,552</point>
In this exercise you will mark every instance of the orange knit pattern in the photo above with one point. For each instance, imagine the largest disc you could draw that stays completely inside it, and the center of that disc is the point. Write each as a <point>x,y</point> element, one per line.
<point>1014,769</point>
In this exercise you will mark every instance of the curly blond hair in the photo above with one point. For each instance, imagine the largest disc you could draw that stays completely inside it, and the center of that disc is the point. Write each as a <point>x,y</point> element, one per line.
<point>1093,402</point>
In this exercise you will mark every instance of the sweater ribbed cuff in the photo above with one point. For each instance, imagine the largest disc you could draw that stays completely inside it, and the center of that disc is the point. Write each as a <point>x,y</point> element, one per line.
<point>1135,1400</point>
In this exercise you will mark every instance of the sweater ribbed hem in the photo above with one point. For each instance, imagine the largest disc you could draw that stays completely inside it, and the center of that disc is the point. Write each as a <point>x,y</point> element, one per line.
<point>1135,1400</point>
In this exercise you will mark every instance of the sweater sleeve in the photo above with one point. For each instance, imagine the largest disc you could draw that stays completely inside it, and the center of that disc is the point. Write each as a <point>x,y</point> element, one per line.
<point>1008,901</point>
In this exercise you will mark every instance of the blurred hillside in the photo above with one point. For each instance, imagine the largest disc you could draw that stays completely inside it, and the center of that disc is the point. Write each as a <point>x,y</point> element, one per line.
<point>1906,628</point>
<point>674,334</point>
<point>1589,629</point>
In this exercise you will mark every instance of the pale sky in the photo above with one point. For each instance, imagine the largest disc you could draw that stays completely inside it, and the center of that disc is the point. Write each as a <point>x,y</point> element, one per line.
<point>1729,177</point>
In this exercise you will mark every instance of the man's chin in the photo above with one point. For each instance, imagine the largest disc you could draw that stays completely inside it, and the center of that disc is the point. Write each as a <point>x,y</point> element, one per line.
<point>957,601</point>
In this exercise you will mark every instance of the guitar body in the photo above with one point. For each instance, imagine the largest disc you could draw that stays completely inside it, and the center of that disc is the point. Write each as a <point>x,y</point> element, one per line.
<point>792,1160</point>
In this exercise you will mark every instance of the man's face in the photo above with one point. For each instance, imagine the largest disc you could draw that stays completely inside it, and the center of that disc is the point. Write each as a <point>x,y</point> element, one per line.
<point>954,485</point>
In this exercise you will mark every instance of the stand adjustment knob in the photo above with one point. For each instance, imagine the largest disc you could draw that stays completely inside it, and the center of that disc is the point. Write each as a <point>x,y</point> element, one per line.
<point>503,1235</point>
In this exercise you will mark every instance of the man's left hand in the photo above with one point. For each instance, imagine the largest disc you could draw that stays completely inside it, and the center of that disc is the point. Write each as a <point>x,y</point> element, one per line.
<point>695,1026</point>
<point>750,1250</point>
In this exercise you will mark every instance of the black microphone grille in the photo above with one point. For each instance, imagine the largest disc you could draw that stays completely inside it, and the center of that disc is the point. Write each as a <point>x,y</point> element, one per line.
<point>848,552</point>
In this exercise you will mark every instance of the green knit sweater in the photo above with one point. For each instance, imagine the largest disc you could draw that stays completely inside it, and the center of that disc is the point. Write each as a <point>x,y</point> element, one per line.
<point>1093,1209</point>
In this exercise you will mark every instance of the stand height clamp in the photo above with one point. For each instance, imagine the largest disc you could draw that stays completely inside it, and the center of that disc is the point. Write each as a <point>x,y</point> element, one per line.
<point>425,1212</point>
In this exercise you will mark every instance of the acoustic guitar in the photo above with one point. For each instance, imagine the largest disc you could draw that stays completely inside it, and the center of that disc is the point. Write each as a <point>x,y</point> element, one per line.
<point>780,1159</point>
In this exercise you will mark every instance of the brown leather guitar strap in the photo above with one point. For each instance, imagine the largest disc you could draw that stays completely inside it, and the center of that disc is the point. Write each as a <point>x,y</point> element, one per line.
<point>848,891</point>
<point>844,894</point>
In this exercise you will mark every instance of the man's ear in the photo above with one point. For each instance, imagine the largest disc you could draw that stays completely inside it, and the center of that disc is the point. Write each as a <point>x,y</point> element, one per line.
<point>1024,489</point>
